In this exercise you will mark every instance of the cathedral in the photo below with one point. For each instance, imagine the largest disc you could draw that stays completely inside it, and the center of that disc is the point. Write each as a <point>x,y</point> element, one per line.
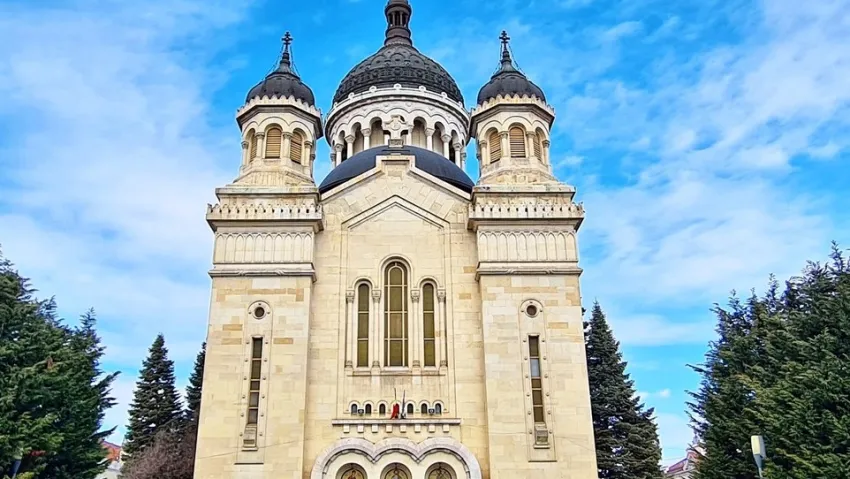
<point>397,320</point>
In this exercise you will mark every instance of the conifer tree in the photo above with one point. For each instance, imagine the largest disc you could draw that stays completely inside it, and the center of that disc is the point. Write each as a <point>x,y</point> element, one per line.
<point>156,403</point>
<point>627,445</point>
<point>195,387</point>
<point>52,390</point>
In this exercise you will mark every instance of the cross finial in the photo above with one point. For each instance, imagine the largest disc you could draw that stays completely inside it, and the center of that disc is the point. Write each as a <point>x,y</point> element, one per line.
<point>504,38</point>
<point>287,39</point>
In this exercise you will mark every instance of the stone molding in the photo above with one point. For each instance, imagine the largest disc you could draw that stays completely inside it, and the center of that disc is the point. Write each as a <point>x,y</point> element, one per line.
<point>276,101</point>
<point>264,212</point>
<point>416,451</point>
<point>526,245</point>
<point>512,100</point>
<point>570,214</point>
<point>263,247</point>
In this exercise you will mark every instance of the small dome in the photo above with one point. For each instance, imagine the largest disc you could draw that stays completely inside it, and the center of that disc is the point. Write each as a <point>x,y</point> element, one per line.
<point>398,61</point>
<point>426,160</point>
<point>508,80</point>
<point>283,82</point>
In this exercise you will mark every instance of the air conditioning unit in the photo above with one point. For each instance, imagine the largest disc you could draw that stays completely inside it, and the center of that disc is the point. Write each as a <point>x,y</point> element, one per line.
<point>432,411</point>
<point>361,411</point>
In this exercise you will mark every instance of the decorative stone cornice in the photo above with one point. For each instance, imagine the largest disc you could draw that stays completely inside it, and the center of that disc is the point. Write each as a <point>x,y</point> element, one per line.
<point>512,100</point>
<point>279,101</point>
<point>262,211</point>
<point>571,214</point>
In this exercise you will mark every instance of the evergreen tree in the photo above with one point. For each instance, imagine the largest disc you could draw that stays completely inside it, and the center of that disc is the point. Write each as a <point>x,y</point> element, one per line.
<point>52,392</point>
<point>627,444</point>
<point>193,390</point>
<point>156,403</point>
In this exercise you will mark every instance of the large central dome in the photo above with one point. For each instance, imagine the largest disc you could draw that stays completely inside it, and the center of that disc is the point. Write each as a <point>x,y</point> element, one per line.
<point>398,62</point>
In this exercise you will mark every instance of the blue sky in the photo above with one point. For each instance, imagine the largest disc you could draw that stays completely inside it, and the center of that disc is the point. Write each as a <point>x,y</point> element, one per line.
<point>708,140</point>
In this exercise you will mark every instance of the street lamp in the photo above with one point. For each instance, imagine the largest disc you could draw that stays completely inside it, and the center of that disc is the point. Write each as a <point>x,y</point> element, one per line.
<point>759,453</point>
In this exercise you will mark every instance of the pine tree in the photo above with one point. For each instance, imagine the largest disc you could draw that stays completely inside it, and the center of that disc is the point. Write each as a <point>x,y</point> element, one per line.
<point>52,392</point>
<point>156,403</point>
<point>627,444</point>
<point>195,387</point>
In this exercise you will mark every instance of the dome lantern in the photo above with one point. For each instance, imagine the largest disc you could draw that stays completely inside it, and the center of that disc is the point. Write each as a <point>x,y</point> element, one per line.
<point>398,14</point>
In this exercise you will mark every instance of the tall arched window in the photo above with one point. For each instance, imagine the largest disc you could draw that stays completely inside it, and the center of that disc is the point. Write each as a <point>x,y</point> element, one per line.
<point>441,471</point>
<point>395,315</point>
<point>418,138</point>
<point>517,137</point>
<point>274,137</point>
<point>428,333</point>
<point>538,146</point>
<point>296,146</point>
<point>423,409</point>
<point>363,326</point>
<point>495,146</point>
<point>252,141</point>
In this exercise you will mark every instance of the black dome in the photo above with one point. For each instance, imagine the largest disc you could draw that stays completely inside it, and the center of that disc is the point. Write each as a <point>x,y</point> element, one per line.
<point>427,161</point>
<point>398,62</point>
<point>508,80</point>
<point>283,82</point>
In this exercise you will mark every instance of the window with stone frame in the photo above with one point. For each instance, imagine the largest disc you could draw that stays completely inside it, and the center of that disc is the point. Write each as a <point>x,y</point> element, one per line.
<point>254,385</point>
<point>396,346</point>
<point>536,380</point>
<point>296,146</point>
<point>428,326</point>
<point>274,140</point>
<point>363,297</point>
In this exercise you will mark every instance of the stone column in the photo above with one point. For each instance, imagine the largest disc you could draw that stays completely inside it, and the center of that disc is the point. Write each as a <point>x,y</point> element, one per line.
<point>377,329</point>
<point>308,156</point>
<point>349,146</point>
<point>367,138</point>
<point>463,160</point>
<point>545,151</point>
<point>245,159</point>
<point>261,145</point>
<point>446,145</point>
<point>286,147</point>
<point>429,140</point>
<point>338,155</point>
<point>506,144</point>
<point>413,334</point>
<point>529,145</point>
<point>457,147</point>
<point>484,154</point>
<point>444,338</point>
<point>351,330</point>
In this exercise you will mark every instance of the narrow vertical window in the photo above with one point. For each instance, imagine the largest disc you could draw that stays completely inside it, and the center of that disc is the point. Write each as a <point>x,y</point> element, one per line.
<point>252,140</point>
<point>536,379</point>
<point>395,315</point>
<point>363,326</point>
<point>274,137</point>
<point>254,388</point>
<point>296,147</point>
<point>538,146</point>
<point>368,409</point>
<point>382,409</point>
<point>517,140</point>
<point>428,333</point>
<point>495,146</point>
<point>354,408</point>
<point>423,409</point>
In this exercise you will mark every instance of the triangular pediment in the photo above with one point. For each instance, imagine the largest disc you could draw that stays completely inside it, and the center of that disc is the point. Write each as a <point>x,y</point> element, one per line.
<point>397,210</point>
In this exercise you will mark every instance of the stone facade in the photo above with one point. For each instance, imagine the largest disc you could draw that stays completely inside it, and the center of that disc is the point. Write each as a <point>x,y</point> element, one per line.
<point>334,308</point>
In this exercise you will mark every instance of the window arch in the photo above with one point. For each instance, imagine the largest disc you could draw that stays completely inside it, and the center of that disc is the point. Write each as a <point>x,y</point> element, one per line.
<point>538,146</point>
<point>438,408</point>
<point>368,409</point>
<point>352,471</point>
<point>252,142</point>
<point>395,315</point>
<point>495,143</point>
<point>354,408</point>
<point>440,471</point>
<point>418,138</point>
<point>423,409</point>
<point>274,138</point>
<point>517,140</point>
<point>410,408</point>
<point>396,471</point>
<point>363,326</point>
<point>296,146</point>
<point>382,409</point>
<point>429,335</point>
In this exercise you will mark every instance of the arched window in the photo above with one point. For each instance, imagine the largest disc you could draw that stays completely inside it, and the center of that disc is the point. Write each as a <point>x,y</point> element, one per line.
<point>252,141</point>
<point>495,146</point>
<point>517,137</point>
<point>418,138</point>
<point>296,146</point>
<point>354,408</point>
<point>368,409</point>
<point>438,408</point>
<point>352,472</point>
<point>274,136</point>
<point>395,315</point>
<point>377,136</point>
<point>441,471</point>
<point>363,326</point>
<point>382,409</point>
<point>410,408</point>
<point>396,471</point>
<point>423,408</point>
<point>428,333</point>
<point>538,146</point>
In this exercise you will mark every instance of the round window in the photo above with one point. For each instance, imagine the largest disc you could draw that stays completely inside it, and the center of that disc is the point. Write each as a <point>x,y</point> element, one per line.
<point>531,310</point>
<point>259,312</point>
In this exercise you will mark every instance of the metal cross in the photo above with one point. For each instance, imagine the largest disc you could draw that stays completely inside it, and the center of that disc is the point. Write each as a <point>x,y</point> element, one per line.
<point>287,39</point>
<point>505,38</point>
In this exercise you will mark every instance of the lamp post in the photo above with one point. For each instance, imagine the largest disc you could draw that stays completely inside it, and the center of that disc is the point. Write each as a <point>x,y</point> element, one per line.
<point>758,453</point>
<point>17,464</point>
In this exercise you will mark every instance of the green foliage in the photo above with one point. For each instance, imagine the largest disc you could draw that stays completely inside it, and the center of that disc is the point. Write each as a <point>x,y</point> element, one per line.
<point>53,394</point>
<point>780,368</point>
<point>195,387</point>
<point>156,403</point>
<point>626,436</point>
